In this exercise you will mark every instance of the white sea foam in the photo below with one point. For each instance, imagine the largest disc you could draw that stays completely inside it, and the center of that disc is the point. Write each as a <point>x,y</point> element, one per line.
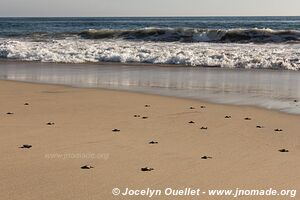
<point>229,55</point>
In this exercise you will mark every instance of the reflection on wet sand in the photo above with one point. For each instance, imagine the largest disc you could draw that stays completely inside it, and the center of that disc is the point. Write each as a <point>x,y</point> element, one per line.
<point>267,88</point>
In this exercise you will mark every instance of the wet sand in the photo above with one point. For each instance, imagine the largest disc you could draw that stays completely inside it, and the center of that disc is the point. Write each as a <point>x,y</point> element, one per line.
<point>85,142</point>
<point>271,89</point>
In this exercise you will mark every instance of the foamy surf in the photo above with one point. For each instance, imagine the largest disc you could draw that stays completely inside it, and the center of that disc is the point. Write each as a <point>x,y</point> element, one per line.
<point>224,55</point>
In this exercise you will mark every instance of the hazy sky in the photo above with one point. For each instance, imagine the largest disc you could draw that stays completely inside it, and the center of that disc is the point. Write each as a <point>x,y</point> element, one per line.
<point>148,7</point>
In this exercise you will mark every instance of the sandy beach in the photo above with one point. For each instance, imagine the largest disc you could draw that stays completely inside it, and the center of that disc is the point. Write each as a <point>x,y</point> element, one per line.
<point>69,128</point>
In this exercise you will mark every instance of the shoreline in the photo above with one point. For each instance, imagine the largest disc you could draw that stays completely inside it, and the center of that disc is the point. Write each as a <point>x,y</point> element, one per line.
<point>157,95</point>
<point>136,64</point>
<point>258,88</point>
<point>143,64</point>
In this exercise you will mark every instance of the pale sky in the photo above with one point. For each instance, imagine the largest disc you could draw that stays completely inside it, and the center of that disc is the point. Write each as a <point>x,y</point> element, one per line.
<point>104,8</point>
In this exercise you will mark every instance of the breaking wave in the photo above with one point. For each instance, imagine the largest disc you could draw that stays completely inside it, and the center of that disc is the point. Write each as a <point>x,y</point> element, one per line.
<point>227,55</point>
<point>183,35</point>
<point>196,35</point>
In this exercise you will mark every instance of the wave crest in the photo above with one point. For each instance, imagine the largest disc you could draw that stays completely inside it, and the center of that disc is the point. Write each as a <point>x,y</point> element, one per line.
<point>196,35</point>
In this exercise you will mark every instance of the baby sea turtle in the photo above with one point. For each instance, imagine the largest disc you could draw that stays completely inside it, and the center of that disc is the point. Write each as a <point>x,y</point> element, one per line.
<point>247,118</point>
<point>147,106</point>
<point>227,117</point>
<point>283,150</point>
<point>202,106</point>
<point>259,126</point>
<point>191,122</point>
<point>206,157</point>
<point>9,113</point>
<point>146,169</point>
<point>152,142</point>
<point>295,100</point>
<point>144,117</point>
<point>136,115</point>
<point>204,128</point>
<point>87,167</point>
<point>26,146</point>
<point>116,130</point>
<point>26,104</point>
<point>278,130</point>
<point>50,123</point>
<point>192,108</point>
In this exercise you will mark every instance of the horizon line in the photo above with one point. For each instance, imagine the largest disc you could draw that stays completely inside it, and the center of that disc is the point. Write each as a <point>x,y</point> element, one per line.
<point>158,16</point>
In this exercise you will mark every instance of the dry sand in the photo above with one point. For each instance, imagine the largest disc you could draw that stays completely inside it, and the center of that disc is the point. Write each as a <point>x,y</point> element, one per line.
<point>243,156</point>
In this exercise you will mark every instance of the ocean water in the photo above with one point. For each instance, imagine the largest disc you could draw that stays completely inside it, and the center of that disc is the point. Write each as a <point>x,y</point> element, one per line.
<point>224,42</point>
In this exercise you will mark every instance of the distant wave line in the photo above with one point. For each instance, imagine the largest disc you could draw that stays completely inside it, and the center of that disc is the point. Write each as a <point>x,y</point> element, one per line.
<point>184,35</point>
